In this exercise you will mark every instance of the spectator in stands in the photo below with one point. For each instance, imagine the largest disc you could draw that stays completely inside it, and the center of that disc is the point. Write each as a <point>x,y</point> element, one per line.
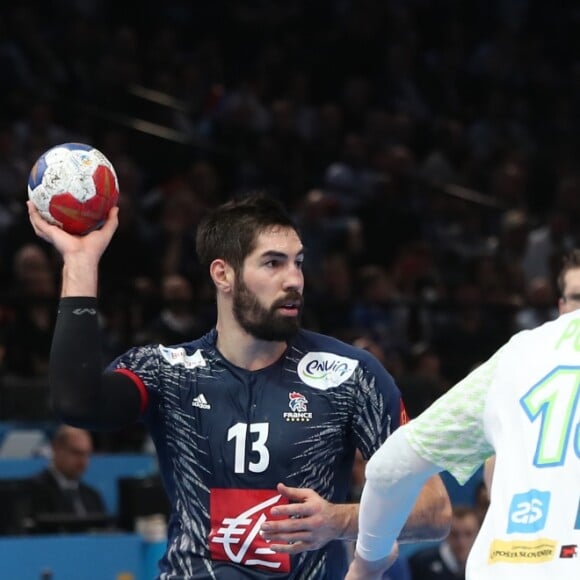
<point>482,490</point>
<point>178,319</point>
<point>422,383</point>
<point>350,179</point>
<point>447,560</point>
<point>327,232</point>
<point>59,489</point>
<point>378,310</point>
<point>569,283</point>
<point>174,238</point>
<point>540,305</point>
<point>332,295</point>
<point>549,240</point>
<point>467,334</point>
<point>27,332</point>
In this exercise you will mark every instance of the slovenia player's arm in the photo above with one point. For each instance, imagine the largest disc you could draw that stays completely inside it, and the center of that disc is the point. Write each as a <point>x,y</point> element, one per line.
<point>430,518</point>
<point>80,394</point>
<point>448,435</point>
<point>395,476</point>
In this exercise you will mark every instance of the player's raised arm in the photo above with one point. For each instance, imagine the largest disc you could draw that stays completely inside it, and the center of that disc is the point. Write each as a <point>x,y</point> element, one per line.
<point>80,394</point>
<point>80,254</point>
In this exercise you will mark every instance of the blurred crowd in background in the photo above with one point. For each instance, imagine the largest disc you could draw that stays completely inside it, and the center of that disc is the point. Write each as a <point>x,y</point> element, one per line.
<point>428,150</point>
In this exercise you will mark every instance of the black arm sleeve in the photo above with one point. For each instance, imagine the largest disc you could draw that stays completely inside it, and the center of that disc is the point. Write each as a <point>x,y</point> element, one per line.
<point>81,394</point>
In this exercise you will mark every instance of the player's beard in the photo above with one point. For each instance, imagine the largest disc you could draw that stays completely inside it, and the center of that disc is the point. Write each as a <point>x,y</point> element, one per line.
<point>265,323</point>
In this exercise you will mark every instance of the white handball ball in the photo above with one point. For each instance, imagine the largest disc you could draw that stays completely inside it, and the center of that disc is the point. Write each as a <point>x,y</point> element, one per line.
<point>73,186</point>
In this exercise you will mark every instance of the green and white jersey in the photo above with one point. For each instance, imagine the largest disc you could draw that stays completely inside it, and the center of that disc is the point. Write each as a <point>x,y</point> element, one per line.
<point>523,404</point>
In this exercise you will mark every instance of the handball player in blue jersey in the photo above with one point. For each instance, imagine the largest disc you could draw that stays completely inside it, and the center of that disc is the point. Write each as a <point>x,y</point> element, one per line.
<point>256,423</point>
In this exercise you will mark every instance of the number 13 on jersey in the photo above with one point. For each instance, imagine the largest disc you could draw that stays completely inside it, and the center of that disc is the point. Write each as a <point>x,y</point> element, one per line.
<point>258,437</point>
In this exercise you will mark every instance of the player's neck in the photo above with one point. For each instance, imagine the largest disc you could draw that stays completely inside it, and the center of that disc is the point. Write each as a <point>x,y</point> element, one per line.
<point>244,350</point>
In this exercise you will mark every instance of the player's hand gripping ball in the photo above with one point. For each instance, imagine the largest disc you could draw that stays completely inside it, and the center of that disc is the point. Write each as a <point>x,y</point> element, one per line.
<point>74,186</point>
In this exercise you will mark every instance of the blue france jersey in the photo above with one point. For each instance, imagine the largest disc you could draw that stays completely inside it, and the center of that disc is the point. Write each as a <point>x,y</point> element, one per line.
<point>226,437</point>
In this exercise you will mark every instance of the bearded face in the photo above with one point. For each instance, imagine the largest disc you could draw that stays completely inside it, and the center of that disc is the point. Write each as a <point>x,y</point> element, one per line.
<point>274,323</point>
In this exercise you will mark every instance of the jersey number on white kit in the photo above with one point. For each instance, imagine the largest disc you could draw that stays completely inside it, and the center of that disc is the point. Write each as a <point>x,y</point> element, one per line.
<point>555,400</point>
<point>258,437</point>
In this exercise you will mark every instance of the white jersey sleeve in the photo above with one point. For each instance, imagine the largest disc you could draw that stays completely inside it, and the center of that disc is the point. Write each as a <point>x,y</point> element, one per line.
<point>523,405</point>
<point>451,433</point>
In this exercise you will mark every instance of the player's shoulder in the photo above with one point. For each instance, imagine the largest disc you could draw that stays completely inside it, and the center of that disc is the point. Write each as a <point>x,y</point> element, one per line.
<point>188,353</point>
<point>549,333</point>
<point>192,352</point>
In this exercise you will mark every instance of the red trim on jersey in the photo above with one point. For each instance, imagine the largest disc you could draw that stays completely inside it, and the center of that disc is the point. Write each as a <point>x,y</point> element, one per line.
<point>143,395</point>
<point>403,416</point>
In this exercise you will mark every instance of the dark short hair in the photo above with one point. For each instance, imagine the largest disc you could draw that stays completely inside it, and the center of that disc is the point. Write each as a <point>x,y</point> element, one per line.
<point>230,231</point>
<point>571,261</point>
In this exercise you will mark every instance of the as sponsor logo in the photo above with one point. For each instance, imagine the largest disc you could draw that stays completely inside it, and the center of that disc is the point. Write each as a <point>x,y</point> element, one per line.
<point>236,516</point>
<point>324,370</point>
<point>298,408</point>
<point>522,551</point>
<point>528,512</point>
<point>178,356</point>
<point>569,551</point>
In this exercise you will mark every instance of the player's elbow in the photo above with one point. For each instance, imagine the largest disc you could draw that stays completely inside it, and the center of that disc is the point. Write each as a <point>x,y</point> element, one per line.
<point>71,411</point>
<point>88,419</point>
<point>73,405</point>
<point>109,402</point>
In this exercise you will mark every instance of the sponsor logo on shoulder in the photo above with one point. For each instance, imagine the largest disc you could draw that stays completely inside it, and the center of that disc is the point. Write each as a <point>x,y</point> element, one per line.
<point>178,356</point>
<point>528,512</point>
<point>201,402</point>
<point>298,408</point>
<point>522,551</point>
<point>324,370</point>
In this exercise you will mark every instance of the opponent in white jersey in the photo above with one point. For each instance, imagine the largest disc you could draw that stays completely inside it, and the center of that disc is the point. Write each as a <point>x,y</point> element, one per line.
<point>523,404</point>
